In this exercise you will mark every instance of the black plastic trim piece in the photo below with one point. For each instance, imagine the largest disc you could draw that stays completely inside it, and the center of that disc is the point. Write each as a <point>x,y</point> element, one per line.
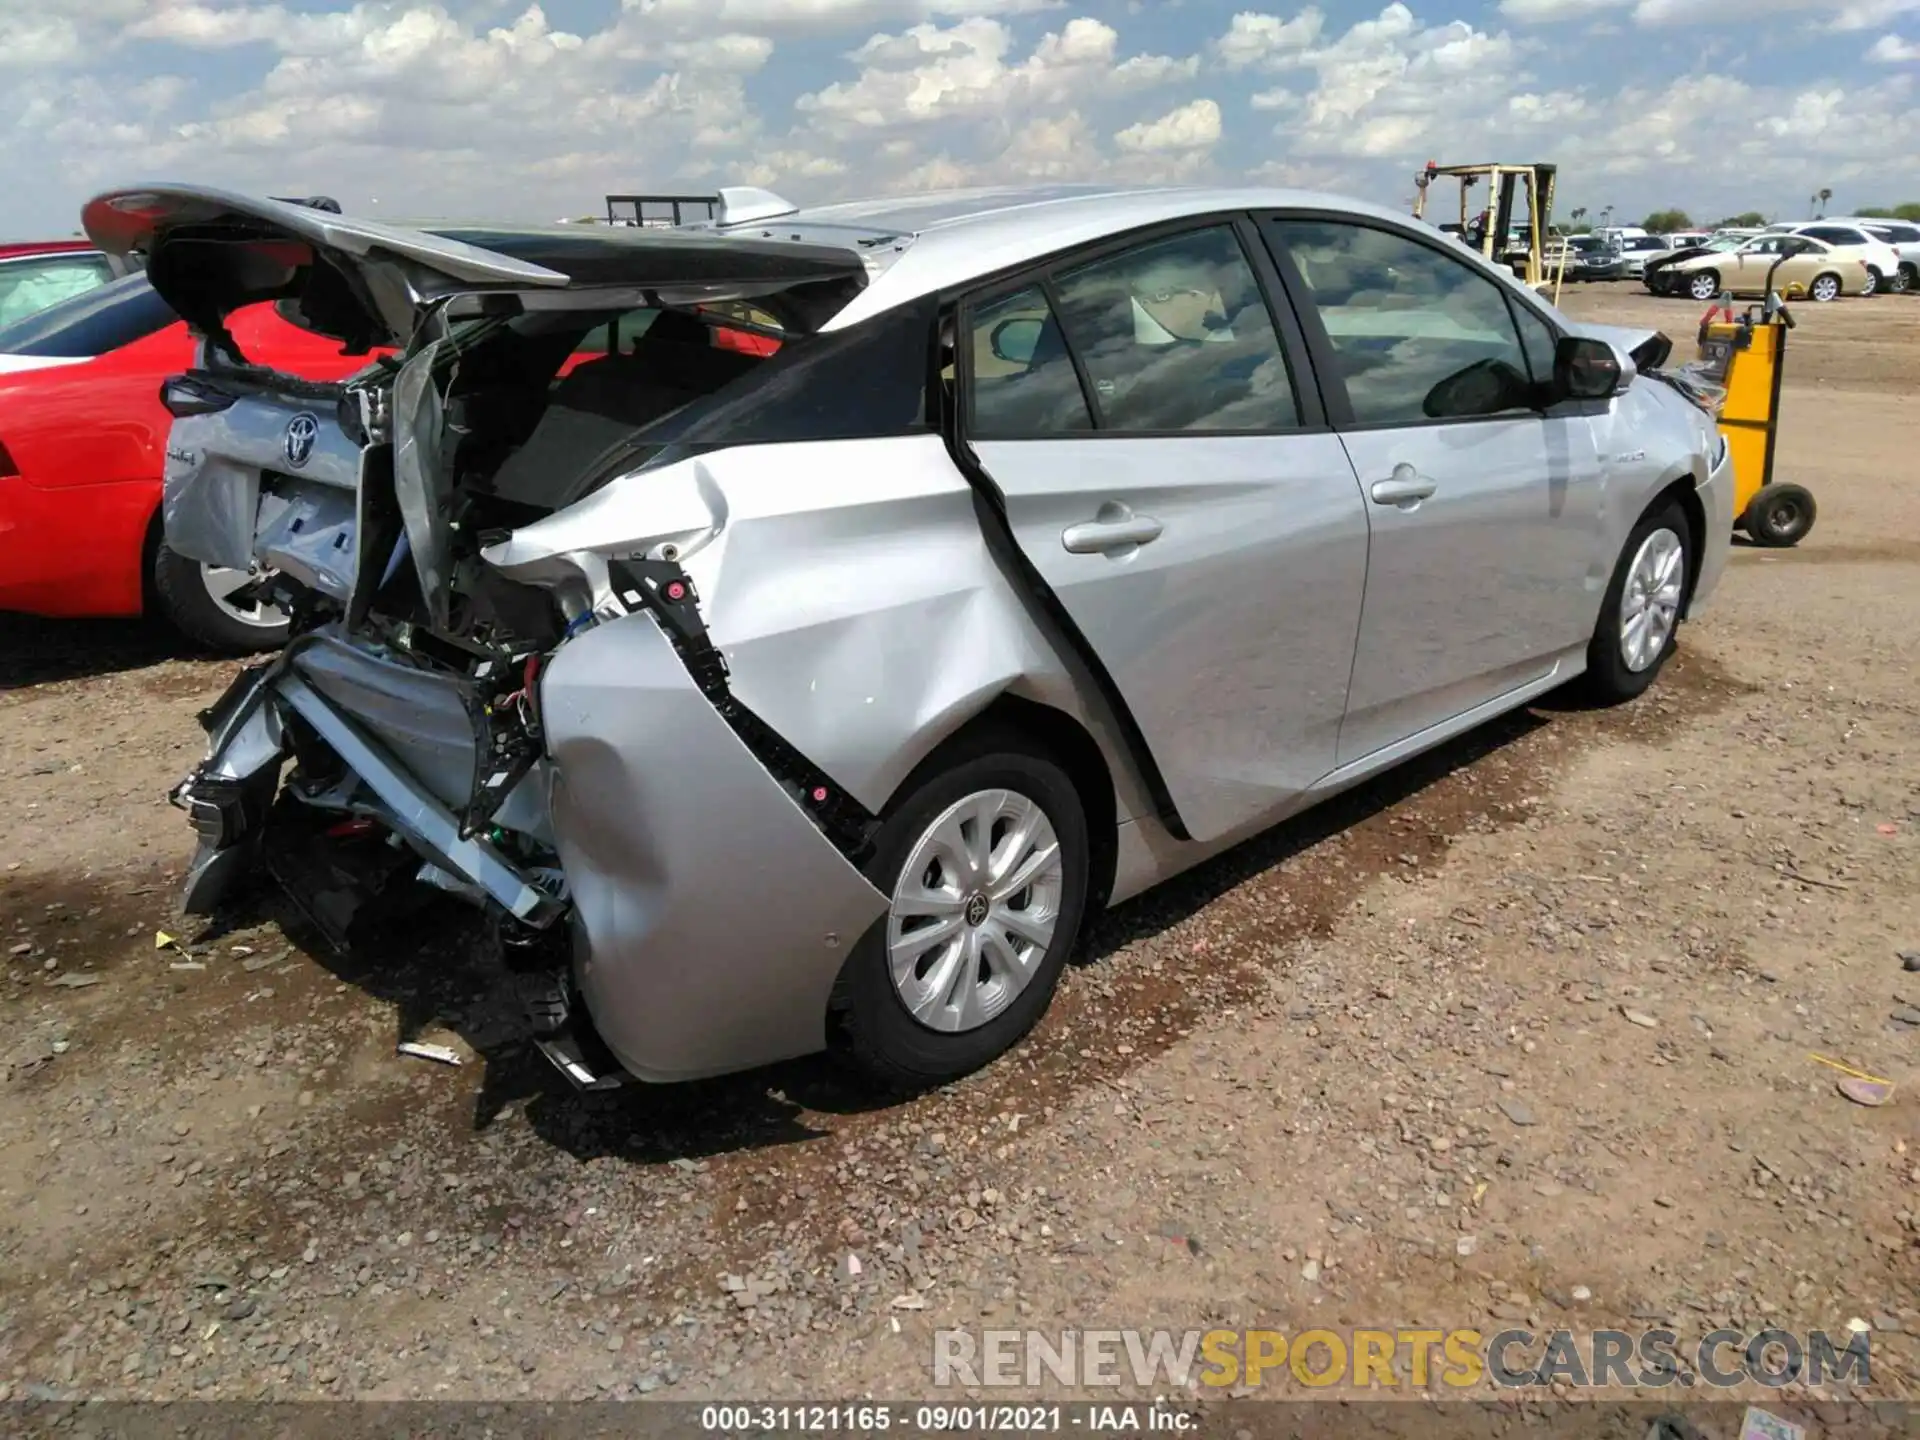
<point>997,532</point>
<point>664,590</point>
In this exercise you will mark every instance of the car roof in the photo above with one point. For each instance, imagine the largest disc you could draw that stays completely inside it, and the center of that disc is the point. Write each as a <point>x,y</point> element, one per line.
<point>14,249</point>
<point>916,245</point>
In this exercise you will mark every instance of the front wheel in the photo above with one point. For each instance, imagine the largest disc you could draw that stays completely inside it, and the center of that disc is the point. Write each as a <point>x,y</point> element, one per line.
<point>1779,516</point>
<point>200,602</point>
<point>1826,288</point>
<point>1640,615</point>
<point>985,866</point>
<point>1703,284</point>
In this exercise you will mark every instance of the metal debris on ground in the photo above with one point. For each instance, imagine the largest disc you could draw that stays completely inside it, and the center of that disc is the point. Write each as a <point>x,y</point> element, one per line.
<point>1765,1425</point>
<point>164,941</point>
<point>76,979</point>
<point>1866,1092</point>
<point>186,965</point>
<point>443,1054</point>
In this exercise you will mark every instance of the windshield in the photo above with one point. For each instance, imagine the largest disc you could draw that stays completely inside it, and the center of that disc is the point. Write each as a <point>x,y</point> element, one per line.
<point>91,324</point>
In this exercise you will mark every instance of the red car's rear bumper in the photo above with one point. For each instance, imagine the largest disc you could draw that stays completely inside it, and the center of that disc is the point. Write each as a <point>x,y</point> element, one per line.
<point>77,550</point>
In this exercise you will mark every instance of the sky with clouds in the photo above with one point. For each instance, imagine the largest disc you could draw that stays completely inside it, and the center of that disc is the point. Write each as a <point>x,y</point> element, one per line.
<point>510,110</point>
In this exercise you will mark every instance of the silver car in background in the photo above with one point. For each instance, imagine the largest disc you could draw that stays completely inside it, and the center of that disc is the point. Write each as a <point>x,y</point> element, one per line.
<point>776,703</point>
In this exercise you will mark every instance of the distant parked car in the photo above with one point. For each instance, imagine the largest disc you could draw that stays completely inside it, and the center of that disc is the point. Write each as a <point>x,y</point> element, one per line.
<point>1905,240</point>
<point>1686,239</point>
<point>1636,250</point>
<point>1851,238</point>
<point>1806,266</point>
<point>82,448</point>
<point>1592,257</point>
<point>37,273</point>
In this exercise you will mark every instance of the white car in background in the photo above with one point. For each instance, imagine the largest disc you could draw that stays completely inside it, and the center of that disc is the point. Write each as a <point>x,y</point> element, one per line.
<point>1686,239</point>
<point>1904,236</point>
<point>1636,250</point>
<point>1850,240</point>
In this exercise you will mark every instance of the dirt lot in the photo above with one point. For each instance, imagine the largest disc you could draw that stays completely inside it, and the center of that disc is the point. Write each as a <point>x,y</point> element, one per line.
<point>1375,1069</point>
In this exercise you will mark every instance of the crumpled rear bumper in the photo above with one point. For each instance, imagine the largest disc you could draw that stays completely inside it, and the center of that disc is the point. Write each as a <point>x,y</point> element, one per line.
<point>710,916</point>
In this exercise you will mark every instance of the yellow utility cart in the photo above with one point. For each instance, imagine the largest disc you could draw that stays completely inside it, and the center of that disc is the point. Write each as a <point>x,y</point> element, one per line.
<point>1743,354</point>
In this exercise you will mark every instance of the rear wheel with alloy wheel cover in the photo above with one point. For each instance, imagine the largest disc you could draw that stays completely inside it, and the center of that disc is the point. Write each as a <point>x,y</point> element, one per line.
<point>1824,288</point>
<point>985,866</point>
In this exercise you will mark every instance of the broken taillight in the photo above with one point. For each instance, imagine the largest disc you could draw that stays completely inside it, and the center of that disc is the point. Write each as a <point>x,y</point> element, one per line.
<point>183,396</point>
<point>7,467</point>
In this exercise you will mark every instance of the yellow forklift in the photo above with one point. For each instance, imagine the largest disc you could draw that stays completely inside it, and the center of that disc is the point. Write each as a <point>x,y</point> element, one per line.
<point>1489,230</point>
<point>1741,357</point>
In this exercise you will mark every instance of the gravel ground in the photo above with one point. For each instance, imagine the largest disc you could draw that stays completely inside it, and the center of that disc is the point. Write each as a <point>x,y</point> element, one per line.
<point>1520,1033</point>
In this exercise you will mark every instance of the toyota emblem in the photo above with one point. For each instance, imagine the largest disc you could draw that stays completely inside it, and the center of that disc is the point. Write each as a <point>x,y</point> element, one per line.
<point>302,431</point>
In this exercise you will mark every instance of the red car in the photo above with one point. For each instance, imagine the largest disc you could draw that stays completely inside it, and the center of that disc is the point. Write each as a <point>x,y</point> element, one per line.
<point>82,448</point>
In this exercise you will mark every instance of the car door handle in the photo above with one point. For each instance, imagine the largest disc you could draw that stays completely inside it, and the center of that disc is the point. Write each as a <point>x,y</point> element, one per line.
<point>1090,537</point>
<point>1406,485</point>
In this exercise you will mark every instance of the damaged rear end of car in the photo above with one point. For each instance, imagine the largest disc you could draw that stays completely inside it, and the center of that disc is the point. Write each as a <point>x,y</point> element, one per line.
<point>460,704</point>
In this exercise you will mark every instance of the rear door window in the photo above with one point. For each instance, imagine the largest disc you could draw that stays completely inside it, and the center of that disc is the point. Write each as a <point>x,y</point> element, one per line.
<point>1175,336</point>
<point>104,318</point>
<point>29,286</point>
<point>1024,382</point>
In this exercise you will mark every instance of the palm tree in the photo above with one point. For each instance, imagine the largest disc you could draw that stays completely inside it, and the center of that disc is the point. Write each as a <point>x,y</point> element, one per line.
<point>1825,196</point>
<point>1579,214</point>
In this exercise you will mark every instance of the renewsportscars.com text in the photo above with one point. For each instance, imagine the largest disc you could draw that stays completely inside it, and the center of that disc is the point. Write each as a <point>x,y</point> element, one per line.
<point>1418,1359</point>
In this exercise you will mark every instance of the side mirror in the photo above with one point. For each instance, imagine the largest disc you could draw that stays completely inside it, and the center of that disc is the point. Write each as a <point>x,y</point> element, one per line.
<point>1014,341</point>
<point>1486,387</point>
<point>1585,369</point>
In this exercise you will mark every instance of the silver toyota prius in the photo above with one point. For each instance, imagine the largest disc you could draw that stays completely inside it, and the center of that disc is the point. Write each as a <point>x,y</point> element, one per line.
<point>787,629</point>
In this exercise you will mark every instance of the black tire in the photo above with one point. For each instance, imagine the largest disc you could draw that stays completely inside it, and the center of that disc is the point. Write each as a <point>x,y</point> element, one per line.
<point>1703,284</point>
<point>872,1026</point>
<point>1901,281</point>
<point>1876,283</point>
<point>1779,516</point>
<point>181,597</point>
<point>1909,278</point>
<point>1609,680</point>
<point>1833,290</point>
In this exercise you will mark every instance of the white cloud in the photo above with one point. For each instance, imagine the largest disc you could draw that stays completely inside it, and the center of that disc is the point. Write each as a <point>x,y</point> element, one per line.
<point>504,108</point>
<point>1256,39</point>
<point>1385,86</point>
<point>31,41</point>
<point>1835,14</point>
<point>1193,126</point>
<point>967,70</point>
<point>1542,12</point>
<point>822,15</point>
